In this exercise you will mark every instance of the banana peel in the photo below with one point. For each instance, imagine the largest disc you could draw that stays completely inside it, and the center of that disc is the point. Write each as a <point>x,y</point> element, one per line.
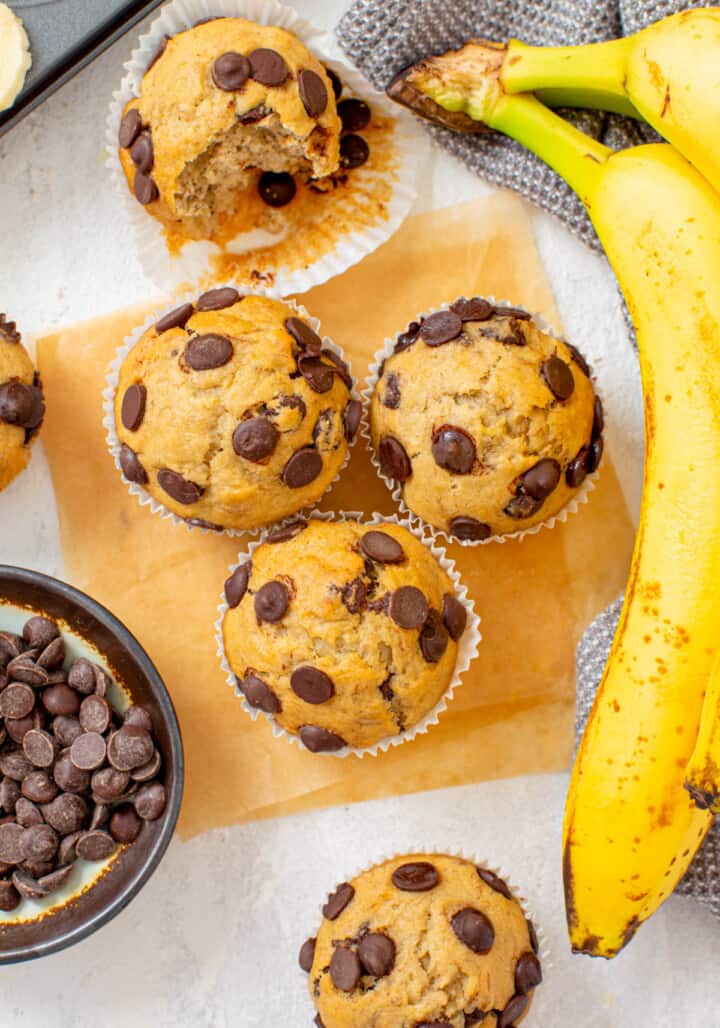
<point>631,828</point>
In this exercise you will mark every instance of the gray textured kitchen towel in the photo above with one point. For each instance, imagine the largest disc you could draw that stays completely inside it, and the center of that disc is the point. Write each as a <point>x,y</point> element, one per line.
<point>384,36</point>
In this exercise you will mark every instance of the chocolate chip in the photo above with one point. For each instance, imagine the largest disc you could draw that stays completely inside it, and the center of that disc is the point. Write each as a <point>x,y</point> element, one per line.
<point>138,716</point>
<point>408,607</point>
<point>179,488</point>
<point>341,368</point>
<point>24,669</point>
<point>40,632</point>
<point>162,47</point>
<point>391,396</point>
<point>255,439</point>
<point>66,813</point>
<point>474,309</point>
<point>16,766</point>
<point>82,676</point>
<point>88,751</point>
<point>108,783</point>
<point>177,318</point>
<point>255,114</point>
<point>131,467</point>
<point>38,747</point>
<point>406,339</point>
<point>145,188</point>
<point>39,843</point>
<point>287,532</point>
<point>27,886</point>
<point>534,942</point>
<point>354,115</point>
<point>453,449</point>
<point>16,700</point>
<point>440,328</point>
<point>528,973</point>
<point>130,127</point>
<point>542,478</point>
<point>133,407</point>
<point>217,299</point>
<point>302,468</point>
<point>320,740</point>
<point>209,351</point>
<point>595,456</point>
<point>558,377</point>
<point>473,929</point>
<point>60,699</point>
<point>18,405</point>
<point>513,312</point>
<point>271,602</point>
<point>95,845</point>
<point>598,419</point>
<point>69,777</point>
<point>236,585</point>
<point>39,787</point>
<point>150,801</point>
<point>94,716</point>
<point>515,1009</point>
<point>129,747</point>
<point>335,81</point>
<point>313,92</point>
<point>9,896</point>
<point>577,469</point>
<point>124,825</point>
<point>495,882</point>
<point>53,656</point>
<point>268,67</point>
<point>578,359</point>
<point>147,771</point>
<point>354,151</point>
<point>351,419</point>
<point>454,616</point>
<point>353,595</point>
<point>417,876</point>
<point>522,506</point>
<point>28,814</point>
<point>377,954</point>
<point>394,461</point>
<point>337,901</point>
<point>345,969</point>
<point>381,547</point>
<point>11,848</point>
<point>259,694</point>
<point>312,685</point>
<point>318,375</point>
<point>142,153</point>
<point>230,71</point>
<point>465,527</point>
<point>433,638</point>
<point>9,795</point>
<point>276,188</point>
<point>17,728</point>
<point>55,879</point>
<point>307,955</point>
<point>303,335</point>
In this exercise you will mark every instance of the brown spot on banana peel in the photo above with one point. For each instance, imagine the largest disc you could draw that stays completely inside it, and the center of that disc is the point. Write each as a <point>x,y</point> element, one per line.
<point>568,886</point>
<point>667,103</point>
<point>704,799</point>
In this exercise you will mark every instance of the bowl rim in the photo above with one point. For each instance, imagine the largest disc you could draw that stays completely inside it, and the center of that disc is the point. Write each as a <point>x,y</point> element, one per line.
<point>135,883</point>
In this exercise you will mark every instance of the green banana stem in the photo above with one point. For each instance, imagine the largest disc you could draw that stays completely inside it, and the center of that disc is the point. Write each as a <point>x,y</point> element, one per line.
<point>591,76</point>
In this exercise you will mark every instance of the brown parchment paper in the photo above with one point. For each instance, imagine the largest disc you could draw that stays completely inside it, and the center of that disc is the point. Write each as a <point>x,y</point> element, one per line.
<point>514,711</point>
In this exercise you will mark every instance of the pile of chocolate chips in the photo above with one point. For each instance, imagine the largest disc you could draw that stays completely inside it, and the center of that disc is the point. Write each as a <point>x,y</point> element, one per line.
<point>78,776</point>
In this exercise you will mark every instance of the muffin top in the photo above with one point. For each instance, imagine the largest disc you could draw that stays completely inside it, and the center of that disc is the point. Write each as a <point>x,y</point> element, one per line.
<point>231,413</point>
<point>345,633</point>
<point>422,941</point>
<point>219,98</point>
<point>489,424</point>
<point>21,403</point>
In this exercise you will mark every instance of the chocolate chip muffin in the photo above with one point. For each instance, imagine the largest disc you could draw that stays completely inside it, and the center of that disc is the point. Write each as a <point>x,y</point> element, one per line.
<point>226,108</point>
<point>231,412</point>
<point>422,942</point>
<point>21,403</point>
<point>487,423</point>
<point>344,633</point>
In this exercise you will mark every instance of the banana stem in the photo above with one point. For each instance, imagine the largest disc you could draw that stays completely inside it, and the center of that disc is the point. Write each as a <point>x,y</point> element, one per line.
<point>590,76</point>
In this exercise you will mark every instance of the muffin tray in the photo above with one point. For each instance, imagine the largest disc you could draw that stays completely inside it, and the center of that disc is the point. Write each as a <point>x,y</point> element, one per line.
<point>65,35</point>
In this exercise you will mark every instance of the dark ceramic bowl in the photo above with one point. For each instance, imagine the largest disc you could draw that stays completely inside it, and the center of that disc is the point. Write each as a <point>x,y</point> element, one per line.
<point>116,649</point>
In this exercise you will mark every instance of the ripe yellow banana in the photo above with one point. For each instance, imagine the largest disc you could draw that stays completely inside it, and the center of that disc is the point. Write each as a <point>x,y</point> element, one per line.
<point>702,775</point>
<point>667,74</point>
<point>631,829</point>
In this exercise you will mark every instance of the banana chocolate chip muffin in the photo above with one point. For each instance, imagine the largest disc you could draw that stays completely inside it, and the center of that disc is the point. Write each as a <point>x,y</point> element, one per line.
<point>344,633</point>
<point>21,403</point>
<point>422,941</point>
<point>227,108</point>
<point>231,412</point>
<point>488,424</point>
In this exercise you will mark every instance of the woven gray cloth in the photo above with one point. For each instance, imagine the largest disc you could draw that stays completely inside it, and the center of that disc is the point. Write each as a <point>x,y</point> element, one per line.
<point>703,878</point>
<point>384,36</point>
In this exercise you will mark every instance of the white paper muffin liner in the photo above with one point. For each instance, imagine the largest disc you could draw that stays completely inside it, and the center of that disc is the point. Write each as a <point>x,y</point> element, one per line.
<point>384,353</point>
<point>543,951</point>
<point>112,380</point>
<point>468,643</point>
<point>193,260</point>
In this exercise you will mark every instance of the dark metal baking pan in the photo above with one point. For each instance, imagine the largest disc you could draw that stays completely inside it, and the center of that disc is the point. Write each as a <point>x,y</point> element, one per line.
<point>65,35</point>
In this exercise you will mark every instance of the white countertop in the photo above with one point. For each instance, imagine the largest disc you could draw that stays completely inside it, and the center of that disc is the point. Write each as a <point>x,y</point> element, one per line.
<point>213,939</point>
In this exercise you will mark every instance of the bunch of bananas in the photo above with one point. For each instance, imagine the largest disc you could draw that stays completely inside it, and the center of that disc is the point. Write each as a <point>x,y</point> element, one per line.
<point>647,775</point>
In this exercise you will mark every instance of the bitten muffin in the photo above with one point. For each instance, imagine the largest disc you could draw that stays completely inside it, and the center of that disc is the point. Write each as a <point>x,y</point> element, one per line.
<point>489,424</point>
<point>344,633</point>
<point>231,413</point>
<point>22,407</point>
<point>422,941</point>
<point>221,104</point>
